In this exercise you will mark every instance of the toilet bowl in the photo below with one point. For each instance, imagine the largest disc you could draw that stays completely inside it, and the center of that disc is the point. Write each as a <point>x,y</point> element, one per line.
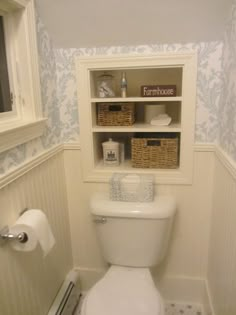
<point>126,291</point>
<point>133,237</point>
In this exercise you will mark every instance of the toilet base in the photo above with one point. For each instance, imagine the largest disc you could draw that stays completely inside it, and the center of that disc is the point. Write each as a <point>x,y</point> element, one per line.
<point>126,291</point>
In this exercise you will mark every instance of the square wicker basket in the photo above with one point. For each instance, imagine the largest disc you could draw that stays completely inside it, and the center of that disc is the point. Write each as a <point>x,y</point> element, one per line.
<point>115,114</point>
<point>155,152</point>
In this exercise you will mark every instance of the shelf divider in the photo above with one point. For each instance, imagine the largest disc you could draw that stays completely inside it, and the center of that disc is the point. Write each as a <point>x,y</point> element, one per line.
<point>136,99</point>
<point>138,127</point>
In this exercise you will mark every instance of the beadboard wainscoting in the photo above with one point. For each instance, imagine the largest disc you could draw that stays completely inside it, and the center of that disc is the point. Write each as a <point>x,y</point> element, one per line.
<point>182,275</point>
<point>222,252</point>
<point>200,261</point>
<point>29,282</point>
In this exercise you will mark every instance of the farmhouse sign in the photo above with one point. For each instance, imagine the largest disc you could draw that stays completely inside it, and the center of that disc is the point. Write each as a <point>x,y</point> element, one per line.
<point>158,90</point>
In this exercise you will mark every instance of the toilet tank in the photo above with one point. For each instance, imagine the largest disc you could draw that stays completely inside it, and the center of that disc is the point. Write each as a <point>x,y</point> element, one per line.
<point>133,234</point>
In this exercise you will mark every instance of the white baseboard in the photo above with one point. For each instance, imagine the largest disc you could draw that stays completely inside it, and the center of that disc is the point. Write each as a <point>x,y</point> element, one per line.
<point>172,288</point>
<point>89,276</point>
<point>183,289</point>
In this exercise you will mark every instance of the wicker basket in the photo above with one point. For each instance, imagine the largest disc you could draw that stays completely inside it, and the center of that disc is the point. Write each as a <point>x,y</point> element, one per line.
<point>155,152</point>
<point>115,114</point>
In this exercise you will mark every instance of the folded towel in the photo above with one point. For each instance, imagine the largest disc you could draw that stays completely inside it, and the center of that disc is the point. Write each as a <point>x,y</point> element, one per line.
<point>161,120</point>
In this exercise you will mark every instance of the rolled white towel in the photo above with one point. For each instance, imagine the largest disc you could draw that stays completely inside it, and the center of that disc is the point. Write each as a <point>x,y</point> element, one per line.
<point>161,120</point>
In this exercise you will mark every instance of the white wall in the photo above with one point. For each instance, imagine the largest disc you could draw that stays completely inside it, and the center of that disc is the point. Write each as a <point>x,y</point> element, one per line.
<point>29,282</point>
<point>222,253</point>
<point>186,261</point>
<point>91,23</point>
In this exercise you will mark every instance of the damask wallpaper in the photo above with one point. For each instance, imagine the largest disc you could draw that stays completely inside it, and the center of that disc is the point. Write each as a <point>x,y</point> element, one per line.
<point>216,90</point>
<point>209,83</point>
<point>227,109</point>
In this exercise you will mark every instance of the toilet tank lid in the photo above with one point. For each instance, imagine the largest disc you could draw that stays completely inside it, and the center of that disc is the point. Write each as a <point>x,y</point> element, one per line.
<point>163,207</point>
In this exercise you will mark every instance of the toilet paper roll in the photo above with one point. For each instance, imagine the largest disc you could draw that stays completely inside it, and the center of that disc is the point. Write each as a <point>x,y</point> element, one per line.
<point>153,110</point>
<point>33,222</point>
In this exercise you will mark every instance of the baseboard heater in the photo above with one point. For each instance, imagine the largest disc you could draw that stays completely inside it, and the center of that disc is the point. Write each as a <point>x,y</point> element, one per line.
<point>68,296</point>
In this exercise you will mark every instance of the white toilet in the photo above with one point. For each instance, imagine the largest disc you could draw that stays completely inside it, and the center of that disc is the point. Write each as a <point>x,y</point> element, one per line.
<point>133,236</point>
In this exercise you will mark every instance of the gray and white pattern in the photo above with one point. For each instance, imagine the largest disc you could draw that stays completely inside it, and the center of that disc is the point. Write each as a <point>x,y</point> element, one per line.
<point>59,93</point>
<point>52,134</point>
<point>227,112</point>
<point>67,94</point>
<point>209,83</point>
<point>216,91</point>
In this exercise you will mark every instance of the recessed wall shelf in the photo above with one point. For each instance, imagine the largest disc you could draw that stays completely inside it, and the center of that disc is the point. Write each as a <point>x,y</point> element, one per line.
<point>162,69</point>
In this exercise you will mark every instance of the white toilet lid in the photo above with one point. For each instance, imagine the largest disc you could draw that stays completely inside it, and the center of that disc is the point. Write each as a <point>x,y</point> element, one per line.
<point>124,291</point>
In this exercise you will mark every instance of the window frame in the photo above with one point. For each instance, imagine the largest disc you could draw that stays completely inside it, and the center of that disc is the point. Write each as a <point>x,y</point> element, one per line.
<point>5,90</point>
<point>26,121</point>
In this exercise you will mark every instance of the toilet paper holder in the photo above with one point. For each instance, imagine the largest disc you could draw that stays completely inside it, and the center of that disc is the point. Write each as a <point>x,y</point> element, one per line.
<point>6,236</point>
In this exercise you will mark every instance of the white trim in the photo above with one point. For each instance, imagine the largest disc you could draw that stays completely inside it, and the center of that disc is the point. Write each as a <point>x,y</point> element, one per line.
<point>7,6</point>
<point>198,147</point>
<point>183,289</point>
<point>124,58</point>
<point>28,122</point>
<point>164,177</point>
<point>172,288</point>
<point>89,276</point>
<point>226,161</point>
<point>33,60</point>
<point>209,308</point>
<point>29,165</point>
<point>75,146</point>
<point>93,169</point>
<point>72,146</point>
<point>204,147</point>
<point>135,99</point>
<point>20,133</point>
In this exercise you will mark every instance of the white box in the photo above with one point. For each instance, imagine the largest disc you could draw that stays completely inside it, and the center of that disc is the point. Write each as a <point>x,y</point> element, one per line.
<point>132,187</point>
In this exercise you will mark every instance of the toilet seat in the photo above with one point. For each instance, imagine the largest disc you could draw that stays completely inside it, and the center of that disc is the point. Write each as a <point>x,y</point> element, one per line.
<point>124,291</point>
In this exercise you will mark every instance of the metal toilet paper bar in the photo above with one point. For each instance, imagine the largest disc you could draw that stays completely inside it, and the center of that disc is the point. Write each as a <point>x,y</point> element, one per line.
<point>6,236</point>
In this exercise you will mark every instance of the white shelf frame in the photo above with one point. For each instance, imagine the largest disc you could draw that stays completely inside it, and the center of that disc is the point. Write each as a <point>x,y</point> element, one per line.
<point>136,99</point>
<point>96,172</point>
<point>139,127</point>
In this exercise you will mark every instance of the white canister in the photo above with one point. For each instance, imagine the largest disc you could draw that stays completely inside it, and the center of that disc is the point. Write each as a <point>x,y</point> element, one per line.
<point>111,154</point>
<point>153,110</point>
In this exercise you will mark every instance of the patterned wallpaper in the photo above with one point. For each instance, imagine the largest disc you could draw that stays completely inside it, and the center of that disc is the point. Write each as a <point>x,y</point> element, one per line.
<point>215,91</point>
<point>209,83</point>
<point>227,112</point>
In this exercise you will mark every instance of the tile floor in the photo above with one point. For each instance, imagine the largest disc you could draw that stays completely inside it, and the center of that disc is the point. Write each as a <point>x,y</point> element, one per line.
<point>172,308</point>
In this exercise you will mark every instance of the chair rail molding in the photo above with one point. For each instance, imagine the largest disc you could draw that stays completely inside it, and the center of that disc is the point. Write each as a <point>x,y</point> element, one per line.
<point>28,165</point>
<point>33,162</point>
